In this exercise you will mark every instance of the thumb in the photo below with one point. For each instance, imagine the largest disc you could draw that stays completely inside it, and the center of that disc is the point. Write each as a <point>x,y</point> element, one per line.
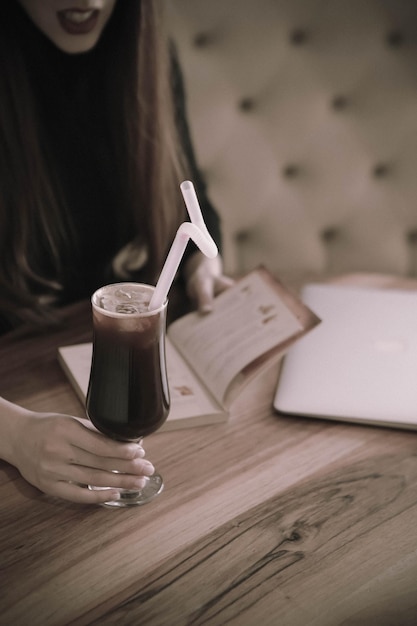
<point>204,293</point>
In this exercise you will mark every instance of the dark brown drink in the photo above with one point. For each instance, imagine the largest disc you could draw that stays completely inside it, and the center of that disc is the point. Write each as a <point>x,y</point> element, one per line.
<point>128,395</point>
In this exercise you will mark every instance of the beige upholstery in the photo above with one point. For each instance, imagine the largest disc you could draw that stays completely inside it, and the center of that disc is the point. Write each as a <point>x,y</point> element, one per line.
<point>304,120</point>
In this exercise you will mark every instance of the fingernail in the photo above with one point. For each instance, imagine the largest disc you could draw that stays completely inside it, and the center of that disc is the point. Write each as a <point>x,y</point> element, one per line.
<point>140,452</point>
<point>147,468</point>
<point>206,308</point>
<point>114,495</point>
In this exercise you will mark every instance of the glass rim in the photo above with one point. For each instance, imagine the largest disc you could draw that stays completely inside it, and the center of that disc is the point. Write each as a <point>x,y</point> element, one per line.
<point>125,315</point>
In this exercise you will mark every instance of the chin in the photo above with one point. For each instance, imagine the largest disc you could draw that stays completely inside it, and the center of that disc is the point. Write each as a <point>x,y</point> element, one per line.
<point>76,45</point>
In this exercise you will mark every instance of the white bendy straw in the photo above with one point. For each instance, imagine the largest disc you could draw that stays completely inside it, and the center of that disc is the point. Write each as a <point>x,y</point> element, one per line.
<point>195,230</point>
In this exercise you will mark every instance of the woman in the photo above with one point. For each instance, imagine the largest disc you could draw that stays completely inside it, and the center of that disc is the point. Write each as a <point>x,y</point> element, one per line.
<point>93,146</point>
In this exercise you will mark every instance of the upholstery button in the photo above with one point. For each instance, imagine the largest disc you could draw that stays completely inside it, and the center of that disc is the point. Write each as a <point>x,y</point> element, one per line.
<point>380,170</point>
<point>202,40</point>
<point>412,237</point>
<point>242,236</point>
<point>329,234</point>
<point>291,170</point>
<point>298,36</point>
<point>395,39</point>
<point>204,175</point>
<point>246,104</point>
<point>339,102</point>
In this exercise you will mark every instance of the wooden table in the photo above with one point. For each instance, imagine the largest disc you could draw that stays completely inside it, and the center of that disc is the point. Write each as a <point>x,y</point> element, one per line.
<point>264,520</point>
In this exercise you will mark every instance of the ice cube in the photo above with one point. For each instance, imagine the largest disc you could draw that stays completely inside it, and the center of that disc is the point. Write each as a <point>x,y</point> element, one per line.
<point>119,300</point>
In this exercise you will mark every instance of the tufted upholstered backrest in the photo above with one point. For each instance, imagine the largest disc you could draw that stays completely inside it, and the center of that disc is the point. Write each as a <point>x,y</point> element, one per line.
<point>304,120</point>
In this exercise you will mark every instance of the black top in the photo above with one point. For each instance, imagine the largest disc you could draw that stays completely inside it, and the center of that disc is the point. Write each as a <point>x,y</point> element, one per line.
<point>85,165</point>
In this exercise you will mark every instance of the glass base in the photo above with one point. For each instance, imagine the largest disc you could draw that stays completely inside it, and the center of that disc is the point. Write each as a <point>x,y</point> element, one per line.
<point>154,486</point>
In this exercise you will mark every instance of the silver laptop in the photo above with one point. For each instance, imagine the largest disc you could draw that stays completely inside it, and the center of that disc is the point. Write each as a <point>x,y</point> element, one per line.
<point>360,363</point>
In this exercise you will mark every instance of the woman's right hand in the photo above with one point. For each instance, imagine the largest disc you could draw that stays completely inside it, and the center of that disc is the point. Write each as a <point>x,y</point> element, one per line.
<point>60,455</point>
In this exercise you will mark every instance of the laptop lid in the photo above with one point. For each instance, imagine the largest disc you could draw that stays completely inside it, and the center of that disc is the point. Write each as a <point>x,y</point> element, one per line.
<point>360,363</point>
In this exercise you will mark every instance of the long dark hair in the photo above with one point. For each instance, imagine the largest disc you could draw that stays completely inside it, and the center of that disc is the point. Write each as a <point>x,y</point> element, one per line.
<point>134,96</point>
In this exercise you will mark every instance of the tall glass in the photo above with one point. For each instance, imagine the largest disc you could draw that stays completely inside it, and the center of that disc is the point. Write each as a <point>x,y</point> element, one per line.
<point>128,394</point>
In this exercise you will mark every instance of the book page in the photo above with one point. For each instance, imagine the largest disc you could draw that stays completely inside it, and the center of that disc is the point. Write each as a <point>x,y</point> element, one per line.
<point>189,399</point>
<point>248,320</point>
<point>191,403</point>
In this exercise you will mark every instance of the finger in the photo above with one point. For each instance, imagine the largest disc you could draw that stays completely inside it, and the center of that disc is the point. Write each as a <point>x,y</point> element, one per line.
<point>115,480</point>
<point>85,422</point>
<point>118,474</point>
<point>222,283</point>
<point>72,432</point>
<point>99,445</point>
<point>84,462</point>
<point>208,289</point>
<point>204,296</point>
<point>82,495</point>
<point>140,452</point>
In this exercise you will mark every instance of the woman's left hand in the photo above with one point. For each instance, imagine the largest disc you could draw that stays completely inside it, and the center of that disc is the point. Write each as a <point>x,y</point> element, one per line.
<point>204,280</point>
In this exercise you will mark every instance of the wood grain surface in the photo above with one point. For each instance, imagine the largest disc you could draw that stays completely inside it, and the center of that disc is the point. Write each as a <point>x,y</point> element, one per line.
<point>264,520</point>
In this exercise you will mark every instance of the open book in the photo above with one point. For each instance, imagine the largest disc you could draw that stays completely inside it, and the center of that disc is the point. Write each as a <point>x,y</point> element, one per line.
<point>211,357</point>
